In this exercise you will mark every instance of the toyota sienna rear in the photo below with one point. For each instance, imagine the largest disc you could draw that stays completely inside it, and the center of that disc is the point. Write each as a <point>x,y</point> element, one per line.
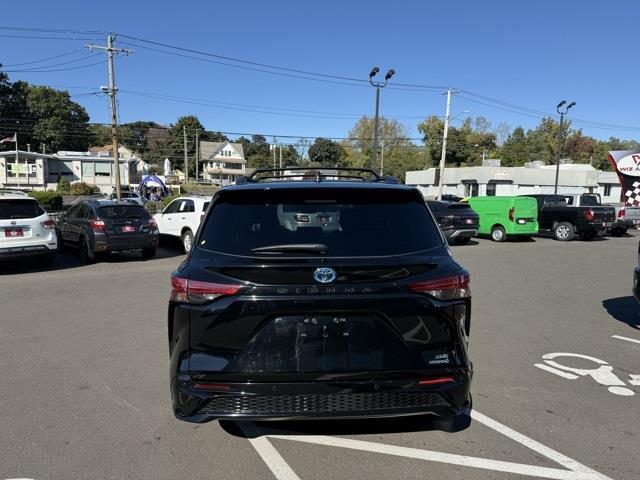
<point>332,297</point>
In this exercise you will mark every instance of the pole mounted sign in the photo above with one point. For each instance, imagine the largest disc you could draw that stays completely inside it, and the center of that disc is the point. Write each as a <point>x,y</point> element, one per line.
<point>627,166</point>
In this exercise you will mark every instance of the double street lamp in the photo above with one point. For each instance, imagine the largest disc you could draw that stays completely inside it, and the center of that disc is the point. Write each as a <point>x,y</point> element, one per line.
<point>560,138</point>
<point>378,85</point>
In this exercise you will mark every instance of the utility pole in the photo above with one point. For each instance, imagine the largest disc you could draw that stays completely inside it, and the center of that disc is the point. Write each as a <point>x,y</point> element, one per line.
<point>280,155</point>
<point>382,157</point>
<point>197,151</point>
<point>186,158</point>
<point>111,91</point>
<point>444,143</point>
<point>274,147</point>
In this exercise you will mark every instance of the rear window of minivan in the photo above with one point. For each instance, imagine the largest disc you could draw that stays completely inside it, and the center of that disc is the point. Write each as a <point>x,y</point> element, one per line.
<point>19,209</point>
<point>349,223</point>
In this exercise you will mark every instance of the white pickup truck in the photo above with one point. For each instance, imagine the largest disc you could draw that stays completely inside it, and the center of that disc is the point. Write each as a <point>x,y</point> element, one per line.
<point>627,216</point>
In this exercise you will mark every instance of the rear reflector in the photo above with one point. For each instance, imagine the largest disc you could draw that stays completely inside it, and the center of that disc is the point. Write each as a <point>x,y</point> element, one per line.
<point>216,387</point>
<point>447,288</point>
<point>425,382</point>
<point>192,291</point>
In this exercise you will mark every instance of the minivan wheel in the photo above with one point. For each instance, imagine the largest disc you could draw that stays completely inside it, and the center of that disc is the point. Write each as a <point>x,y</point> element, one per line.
<point>563,231</point>
<point>498,234</point>
<point>86,254</point>
<point>187,241</point>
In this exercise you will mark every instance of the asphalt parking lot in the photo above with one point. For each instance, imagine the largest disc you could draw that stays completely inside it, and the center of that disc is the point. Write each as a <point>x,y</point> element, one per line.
<point>555,341</point>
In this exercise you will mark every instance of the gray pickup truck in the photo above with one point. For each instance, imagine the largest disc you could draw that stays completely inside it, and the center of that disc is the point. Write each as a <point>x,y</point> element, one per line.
<point>626,216</point>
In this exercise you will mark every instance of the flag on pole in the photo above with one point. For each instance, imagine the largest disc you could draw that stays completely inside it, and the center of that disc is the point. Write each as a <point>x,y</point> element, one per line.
<point>13,139</point>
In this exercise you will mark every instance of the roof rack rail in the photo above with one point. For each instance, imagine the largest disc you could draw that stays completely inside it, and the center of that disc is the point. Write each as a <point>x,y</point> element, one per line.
<point>316,174</point>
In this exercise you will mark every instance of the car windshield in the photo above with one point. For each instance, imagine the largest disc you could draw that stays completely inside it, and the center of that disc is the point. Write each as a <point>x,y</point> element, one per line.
<point>122,211</point>
<point>348,224</point>
<point>19,209</point>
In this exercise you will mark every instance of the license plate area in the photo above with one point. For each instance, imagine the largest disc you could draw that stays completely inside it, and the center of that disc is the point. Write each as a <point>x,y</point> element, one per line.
<point>324,343</point>
<point>14,232</point>
<point>128,229</point>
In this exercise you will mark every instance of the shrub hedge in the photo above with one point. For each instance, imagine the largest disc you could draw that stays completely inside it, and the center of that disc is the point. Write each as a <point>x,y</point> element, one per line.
<point>50,201</point>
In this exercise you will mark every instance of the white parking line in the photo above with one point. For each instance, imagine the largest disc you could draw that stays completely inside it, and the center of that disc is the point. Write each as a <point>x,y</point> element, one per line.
<point>619,337</point>
<point>280,469</point>
<point>575,470</point>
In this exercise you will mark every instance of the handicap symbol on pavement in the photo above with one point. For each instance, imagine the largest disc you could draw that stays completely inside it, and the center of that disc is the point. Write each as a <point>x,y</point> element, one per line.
<point>602,373</point>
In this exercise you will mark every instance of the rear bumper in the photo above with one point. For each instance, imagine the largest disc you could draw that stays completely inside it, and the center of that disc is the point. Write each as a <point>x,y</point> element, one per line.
<point>27,251</point>
<point>318,400</point>
<point>452,233</point>
<point>105,244</point>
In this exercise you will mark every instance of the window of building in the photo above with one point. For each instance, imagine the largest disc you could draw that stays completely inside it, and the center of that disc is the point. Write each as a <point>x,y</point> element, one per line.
<point>607,189</point>
<point>491,190</point>
<point>88,169</point>
<point>102,169</point>
<point>470,189</point>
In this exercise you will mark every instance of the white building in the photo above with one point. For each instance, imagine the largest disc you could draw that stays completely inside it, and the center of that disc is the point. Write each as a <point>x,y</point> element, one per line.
<point>222,162</point>
<point>502,181</point>
<point>38,171</point>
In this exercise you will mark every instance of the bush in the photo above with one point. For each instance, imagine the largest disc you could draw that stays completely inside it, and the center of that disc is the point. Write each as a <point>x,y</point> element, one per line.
<point>168,199</point>
<point>63,185</point>
<point>82,188</point>
<point>50,201</point>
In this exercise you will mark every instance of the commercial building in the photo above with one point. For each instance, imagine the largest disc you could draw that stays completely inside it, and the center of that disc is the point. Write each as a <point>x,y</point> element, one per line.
<point>38,171</point>
<point>491,179</point>
<point>222,162</point>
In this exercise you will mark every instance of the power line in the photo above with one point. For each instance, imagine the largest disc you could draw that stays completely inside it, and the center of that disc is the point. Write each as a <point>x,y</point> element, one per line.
<point>55,70</point>
<point>43,59</point>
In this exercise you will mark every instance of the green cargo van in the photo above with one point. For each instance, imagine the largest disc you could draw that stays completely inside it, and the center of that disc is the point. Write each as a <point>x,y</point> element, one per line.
<point>501,217</point>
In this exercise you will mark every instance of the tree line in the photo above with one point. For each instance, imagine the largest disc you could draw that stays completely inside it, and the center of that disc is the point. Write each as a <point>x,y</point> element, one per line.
<point>49,119</point>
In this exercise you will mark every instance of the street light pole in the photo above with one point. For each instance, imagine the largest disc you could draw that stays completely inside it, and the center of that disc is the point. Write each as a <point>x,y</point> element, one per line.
<point>378,86</point>
<point>560,139</point>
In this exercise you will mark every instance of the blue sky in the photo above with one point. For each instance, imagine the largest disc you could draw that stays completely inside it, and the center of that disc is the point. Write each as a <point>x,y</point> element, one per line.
<point>532,54</point>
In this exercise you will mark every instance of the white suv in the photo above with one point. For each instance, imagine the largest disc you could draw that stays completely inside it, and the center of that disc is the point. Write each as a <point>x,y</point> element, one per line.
<point>26,231</point>
<point>129,197</point>
<point>181,218</point>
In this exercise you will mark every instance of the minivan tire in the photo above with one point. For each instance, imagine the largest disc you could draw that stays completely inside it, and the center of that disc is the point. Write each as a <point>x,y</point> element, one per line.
<point>498,234</point>
<point>563,231</point>
<point>187,241</point>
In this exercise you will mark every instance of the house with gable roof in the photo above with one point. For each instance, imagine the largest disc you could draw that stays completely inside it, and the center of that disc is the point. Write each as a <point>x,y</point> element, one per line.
<point>222,162</point>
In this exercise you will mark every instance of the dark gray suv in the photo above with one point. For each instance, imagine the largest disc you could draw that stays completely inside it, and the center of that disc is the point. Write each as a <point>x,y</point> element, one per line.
<point>103,226</point>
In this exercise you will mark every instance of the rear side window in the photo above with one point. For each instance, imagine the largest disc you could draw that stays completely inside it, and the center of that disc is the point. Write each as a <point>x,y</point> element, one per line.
<point>349,223</point>
<point>122,211</point>
<point>19,209</point>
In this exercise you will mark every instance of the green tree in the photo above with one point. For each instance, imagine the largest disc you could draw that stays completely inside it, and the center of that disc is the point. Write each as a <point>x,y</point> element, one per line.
<point>191,125</point>
<point>327,153</point>
<point>432,130</point>
<point>515,150</point>
<point>60,123</point>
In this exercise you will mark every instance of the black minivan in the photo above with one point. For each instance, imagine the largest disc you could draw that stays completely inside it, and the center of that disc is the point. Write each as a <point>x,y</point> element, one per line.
<point>323,294</point>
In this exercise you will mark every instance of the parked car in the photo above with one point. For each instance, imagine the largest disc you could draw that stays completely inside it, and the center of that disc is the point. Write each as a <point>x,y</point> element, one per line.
<point>182,217</point>
<point>504,217</point>
<point>26,230</point>
<point>315,299</point>
<point>104,226</point>
<point>128,197</point>
<point>565,222</point>
<point>625,216</point>
<point>458,221</point>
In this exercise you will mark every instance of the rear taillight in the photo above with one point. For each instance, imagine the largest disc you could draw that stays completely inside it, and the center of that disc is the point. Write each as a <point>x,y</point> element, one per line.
<point>97,225</point>
<point>448,288</point>
<point>588,214</point>
<point>621,213</point>
<point>192,291</point>
<point>48,224</point>
<point>512,214</point>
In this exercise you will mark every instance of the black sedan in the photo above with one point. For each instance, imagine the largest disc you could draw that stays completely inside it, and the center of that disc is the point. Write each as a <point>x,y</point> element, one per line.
<point>103,226</point>
<point>457,221</point>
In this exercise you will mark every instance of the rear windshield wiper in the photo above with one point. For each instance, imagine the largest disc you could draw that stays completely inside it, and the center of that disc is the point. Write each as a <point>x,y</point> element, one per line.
<point>293,247</point>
